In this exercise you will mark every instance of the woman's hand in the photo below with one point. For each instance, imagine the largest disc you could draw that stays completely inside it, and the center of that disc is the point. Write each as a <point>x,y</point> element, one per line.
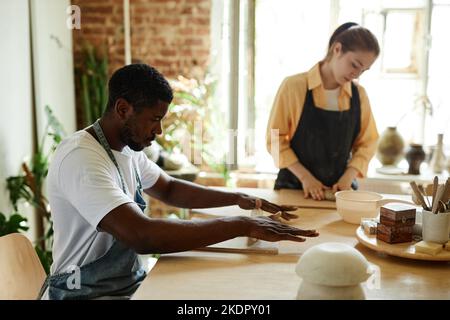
<point>313,188</point>
<point>345,182</point>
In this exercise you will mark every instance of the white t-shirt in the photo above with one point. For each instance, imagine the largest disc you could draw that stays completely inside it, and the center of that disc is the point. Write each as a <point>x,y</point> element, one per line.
<point>332,99</point>
<point>83,187</point>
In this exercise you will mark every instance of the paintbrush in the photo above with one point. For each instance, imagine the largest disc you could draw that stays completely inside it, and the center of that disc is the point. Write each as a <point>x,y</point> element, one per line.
<point>435,187</point>
<point>446,195</point>
<point>437,199</point>
<point>422,191</point>
<point>418,195</point>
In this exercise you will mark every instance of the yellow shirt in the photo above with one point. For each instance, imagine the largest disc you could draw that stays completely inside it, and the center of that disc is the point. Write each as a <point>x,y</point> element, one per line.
<point>288,107</point>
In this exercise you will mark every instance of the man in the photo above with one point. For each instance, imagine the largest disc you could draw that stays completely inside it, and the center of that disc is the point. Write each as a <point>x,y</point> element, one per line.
<point>95,186</point>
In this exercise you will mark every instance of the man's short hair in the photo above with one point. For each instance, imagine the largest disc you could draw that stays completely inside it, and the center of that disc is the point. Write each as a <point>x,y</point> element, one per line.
<point>140,85</point>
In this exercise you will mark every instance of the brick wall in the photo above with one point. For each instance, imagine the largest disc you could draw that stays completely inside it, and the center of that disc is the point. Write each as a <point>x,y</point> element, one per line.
<point>102,26</point>
<point>171,35</point>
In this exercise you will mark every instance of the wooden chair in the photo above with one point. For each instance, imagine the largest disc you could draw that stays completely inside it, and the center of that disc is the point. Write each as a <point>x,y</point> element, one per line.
<point>21,272</point>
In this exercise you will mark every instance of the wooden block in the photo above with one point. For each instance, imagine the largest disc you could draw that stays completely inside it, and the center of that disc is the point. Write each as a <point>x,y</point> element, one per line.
<point>447,246</point>
<point>394,234</point>
<point>369,226</point>
<point>395,214</point>
<point>428,247</point>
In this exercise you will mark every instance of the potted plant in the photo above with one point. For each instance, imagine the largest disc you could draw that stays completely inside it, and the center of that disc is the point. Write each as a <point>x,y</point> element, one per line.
<point>28,187</point>
<point>92,83</point>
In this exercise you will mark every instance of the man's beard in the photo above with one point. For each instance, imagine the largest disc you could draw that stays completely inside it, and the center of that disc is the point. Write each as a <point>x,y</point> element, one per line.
<point>126,136</point>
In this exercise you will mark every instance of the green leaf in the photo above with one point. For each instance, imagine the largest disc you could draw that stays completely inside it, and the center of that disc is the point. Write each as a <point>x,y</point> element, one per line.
<point>15,224</point>
<point>188,97</point>
<point>18,190</point>
<point>58,131</point>
<point>93,80</point>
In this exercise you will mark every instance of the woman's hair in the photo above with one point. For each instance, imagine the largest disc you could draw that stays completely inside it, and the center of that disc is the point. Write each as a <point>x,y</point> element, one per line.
<point>353,37</point>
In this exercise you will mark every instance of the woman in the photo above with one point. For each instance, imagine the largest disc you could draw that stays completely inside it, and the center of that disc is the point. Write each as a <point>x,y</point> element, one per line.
<point>321,132</point>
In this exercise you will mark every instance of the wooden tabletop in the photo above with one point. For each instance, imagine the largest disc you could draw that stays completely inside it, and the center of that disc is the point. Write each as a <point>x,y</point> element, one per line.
<point>208,275</point>
<point>281,197</point>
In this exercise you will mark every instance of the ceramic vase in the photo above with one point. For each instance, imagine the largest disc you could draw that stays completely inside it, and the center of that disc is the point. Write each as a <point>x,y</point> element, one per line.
<point>438,162</point>
<point>415,156</point>
<point>390,147</point>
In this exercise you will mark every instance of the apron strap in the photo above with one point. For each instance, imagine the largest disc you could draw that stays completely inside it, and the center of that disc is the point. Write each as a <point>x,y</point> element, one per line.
<point>102,139</point>
<point>43,288</point>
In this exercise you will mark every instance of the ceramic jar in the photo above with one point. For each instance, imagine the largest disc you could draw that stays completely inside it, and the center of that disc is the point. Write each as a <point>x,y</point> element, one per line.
<point>390,147</point>
<point>435,227</point>
<point>415,156</point>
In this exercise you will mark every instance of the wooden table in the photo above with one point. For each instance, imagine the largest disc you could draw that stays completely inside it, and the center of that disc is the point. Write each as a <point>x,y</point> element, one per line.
<point>283,197</point>
<point>206,275</point>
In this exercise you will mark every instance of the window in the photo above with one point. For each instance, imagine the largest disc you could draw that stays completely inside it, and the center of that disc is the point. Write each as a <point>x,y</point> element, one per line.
<point>401,44</point>
<point>404,85</point>
<point>439,119</point>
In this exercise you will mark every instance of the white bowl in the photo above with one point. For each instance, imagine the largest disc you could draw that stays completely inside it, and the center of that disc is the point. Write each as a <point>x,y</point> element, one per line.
<point>353,205</point>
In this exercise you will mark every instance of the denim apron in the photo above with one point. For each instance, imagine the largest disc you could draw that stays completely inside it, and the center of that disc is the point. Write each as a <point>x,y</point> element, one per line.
<point>323,142</point>
<point>115,275</point>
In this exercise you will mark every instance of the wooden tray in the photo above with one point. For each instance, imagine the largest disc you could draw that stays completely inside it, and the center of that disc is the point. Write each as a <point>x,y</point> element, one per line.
<point>403,250</point>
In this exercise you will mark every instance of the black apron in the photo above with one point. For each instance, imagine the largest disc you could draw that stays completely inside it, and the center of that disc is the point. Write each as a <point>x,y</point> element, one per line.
<point>323,142</point>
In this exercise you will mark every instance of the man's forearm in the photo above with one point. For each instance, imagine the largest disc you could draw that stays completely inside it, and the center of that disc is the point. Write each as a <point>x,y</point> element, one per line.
<point>168,235</point>
<point>185,194</point>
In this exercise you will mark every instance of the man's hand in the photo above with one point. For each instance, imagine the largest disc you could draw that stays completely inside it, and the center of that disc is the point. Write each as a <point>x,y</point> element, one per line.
<point>248,202</point>
<point>345,182</point>
<point>313,188</point>
<point>265,228</point>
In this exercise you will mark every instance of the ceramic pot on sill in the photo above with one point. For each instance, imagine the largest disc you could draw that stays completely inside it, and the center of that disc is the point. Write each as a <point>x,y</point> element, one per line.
<point>390,147</point>
<point>438,161</point>
<point>415,156</point>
